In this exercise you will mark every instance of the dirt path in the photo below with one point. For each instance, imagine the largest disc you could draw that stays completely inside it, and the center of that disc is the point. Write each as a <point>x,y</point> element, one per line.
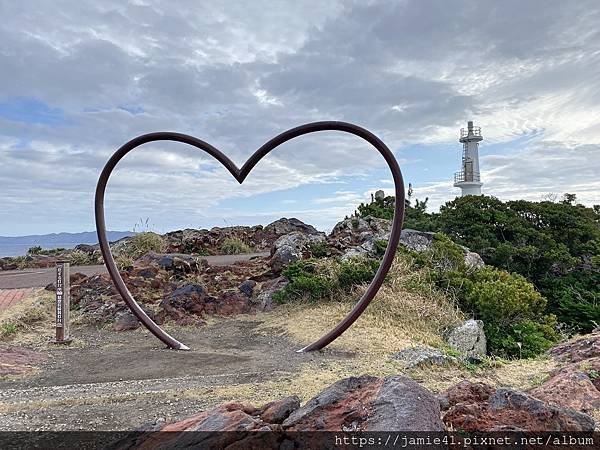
<point>28,278</point>
<point>119,381</point>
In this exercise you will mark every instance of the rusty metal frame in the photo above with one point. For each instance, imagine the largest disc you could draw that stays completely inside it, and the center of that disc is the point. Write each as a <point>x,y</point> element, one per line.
<point>240,175</point>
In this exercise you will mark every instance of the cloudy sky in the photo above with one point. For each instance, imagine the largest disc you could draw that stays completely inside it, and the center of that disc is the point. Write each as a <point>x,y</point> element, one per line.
<point>80,78</point>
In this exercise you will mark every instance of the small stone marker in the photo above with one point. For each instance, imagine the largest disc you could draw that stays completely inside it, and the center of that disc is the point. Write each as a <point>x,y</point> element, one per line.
<point>63,297</point>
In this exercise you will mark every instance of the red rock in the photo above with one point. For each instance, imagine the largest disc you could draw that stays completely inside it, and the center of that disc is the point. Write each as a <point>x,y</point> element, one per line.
<point>279,410</point>
<point>578,349</point>
<point>572,387</point>
<point>369,403</point>
<point>507,409</point>
<point>465,391</point>
<point>77,278</point>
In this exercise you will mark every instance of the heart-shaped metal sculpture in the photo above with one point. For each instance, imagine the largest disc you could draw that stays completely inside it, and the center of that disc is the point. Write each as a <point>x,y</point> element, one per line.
<point>240,175</point>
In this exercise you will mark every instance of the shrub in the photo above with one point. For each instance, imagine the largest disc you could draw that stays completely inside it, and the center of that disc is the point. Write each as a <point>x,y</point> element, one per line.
<point>234,246</point>
<point>318,249</point>
<point>511,309</point>
<point>123,262</point>
<point>34,250</point>
<point>315,279</point>
<point>142,243</point>
<point>357,270</point>
<point>79,258</point>
<point>311,279</point>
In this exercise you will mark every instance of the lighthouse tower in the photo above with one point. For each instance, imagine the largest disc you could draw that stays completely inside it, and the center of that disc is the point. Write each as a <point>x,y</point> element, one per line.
<point>468,178</point>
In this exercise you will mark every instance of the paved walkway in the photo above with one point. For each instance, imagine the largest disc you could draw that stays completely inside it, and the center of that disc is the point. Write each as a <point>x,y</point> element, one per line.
<point>10,297</point>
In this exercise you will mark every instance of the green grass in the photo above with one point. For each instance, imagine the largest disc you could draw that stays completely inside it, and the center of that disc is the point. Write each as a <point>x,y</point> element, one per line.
<point>234,246</point>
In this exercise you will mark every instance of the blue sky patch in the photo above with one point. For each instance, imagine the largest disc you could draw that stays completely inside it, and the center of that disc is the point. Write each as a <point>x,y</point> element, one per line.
<point>31,110</point>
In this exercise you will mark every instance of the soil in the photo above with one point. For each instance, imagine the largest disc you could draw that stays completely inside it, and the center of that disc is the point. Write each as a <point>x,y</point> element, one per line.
<point>121,381</point>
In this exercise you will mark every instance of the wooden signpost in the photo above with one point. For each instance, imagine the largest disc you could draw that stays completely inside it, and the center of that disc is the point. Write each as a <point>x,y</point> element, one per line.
<point>63,297</point>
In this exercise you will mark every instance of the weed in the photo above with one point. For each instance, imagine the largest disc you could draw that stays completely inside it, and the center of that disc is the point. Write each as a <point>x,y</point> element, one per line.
<point>234,246</point>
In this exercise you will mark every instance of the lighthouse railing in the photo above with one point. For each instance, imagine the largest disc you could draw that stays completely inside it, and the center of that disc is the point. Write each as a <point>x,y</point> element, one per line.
<point>476,131</point>
<point>463,176</point>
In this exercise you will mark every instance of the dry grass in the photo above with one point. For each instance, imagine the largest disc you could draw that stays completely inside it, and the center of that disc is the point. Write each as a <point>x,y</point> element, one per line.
<point>22,318</point>
<point>398,317</point>
<point>31,321</point>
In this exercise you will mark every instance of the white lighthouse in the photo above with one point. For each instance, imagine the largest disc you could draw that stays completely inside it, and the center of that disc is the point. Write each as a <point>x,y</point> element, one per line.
<point>468,178</point>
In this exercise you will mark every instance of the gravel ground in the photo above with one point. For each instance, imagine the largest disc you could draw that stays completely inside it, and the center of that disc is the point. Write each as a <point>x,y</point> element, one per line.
<point>121,381</point>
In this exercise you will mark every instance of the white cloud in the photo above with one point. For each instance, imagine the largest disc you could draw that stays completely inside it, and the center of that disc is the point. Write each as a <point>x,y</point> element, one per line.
<point>237,73</point>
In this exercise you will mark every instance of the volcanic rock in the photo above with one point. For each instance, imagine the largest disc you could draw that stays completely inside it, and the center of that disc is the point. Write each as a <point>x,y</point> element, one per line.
<point>482,408</point>
<point>573,386</point>
<point>422,355</point>
<point>369,403</point>
<point>279,410</point>
<point>292,247</point>
<point>126,321</point>
<point>469,339</point>
<point>578,349</point>
<point>264,299</point>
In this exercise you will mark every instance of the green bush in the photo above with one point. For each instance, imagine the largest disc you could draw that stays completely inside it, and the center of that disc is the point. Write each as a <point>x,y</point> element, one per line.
<point>318,249</point>
<point>142,243</point>
<point>308,280</point>
<point>315,279</point>
<point>37,250</point>
<point>357,271</point>
<point>79,258</point>
<point>554,244</point>
<point>234,246</point>
<point>513,312</point>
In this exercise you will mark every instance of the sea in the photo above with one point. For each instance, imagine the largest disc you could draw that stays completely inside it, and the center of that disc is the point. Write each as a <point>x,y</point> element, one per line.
<point>21,249</point>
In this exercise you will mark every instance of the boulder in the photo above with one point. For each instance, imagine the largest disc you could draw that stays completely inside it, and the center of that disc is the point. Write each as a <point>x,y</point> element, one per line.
<point>292,247</point>
<point>422,355</point>
<point>573,386</point>
<point>418,241</point>
<point>469,339</point>
<point>478,407</point>
<point>356,231</point>
<point>473,260</point>
<point>126,321</point>
<point>279,410</point>
<point>264,298</point>
<point>286,226</point>
<point>578,349</point>
<point>247,287</point>
<point>369,403</point>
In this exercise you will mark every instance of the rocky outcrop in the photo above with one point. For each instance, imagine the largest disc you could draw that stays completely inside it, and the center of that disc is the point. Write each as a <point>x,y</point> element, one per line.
<point>357,236</point>
<point>417,241</point>
<point>209,242</point>
<point>577,383</point>
<point>279,410</point>
<point>179,264</point>
<point>578,349</point>
<point>575,386</point>
<point>285,226</point>
<point>422,355</point>
<point>178,287</point>
<point>291,247</point>
<point>469,339</point>
<point>478,407</point>
<point>364,403</point>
